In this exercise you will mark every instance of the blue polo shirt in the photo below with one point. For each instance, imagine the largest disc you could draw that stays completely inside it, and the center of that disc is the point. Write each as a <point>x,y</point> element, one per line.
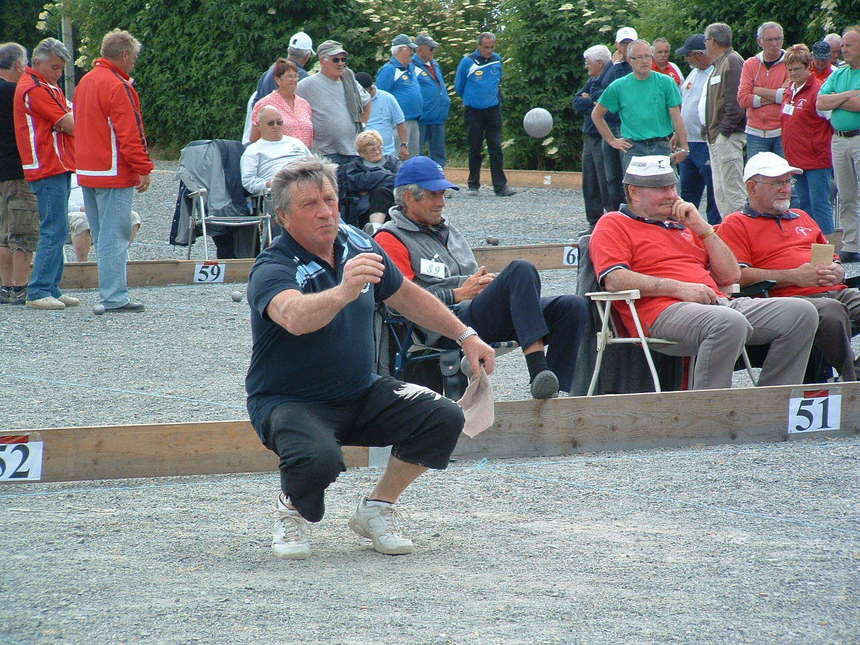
<point>385,115</point>
<point>334,363</point>
<point>401,81</point>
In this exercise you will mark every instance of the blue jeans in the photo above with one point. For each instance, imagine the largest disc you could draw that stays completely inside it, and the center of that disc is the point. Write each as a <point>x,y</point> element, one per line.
<point>812,194</point>
<point>696,178</point>
<point>109,215</point>
<point>756,144</point>
<point>612,170</point>
<point>645,148</point>
<point>433,136</point>
<point>52,193</point>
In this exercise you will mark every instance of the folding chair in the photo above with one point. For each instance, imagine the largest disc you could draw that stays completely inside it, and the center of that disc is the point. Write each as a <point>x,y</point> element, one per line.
<point>212,200</point>
<point>611,331</point>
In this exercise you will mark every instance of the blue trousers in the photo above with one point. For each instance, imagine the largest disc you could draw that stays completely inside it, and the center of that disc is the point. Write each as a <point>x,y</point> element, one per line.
<point>109,215</point>
<point>613,170</point>
<point>52,195</point>
<point>594,191</point>
<point>812,194</point>
<point>696,178</point>
<point>433,137</point>
<point>756,144</point>
<point>511,308</point>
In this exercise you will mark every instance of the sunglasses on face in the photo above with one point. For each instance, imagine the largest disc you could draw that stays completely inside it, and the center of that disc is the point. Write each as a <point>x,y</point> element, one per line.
<point>338,59</point>
<point>271,123</point>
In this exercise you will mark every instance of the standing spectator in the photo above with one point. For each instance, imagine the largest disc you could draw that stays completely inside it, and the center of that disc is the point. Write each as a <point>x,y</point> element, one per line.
<point>43,131</point>
<point>434,112</point>
<point>295,111</point>
<point>649,107</point>
<point>841,94</point>
<point>19,212</point>
<point>478,80</point>
<point>835,42</point>
<point>398,76</point>
<point>806,135</point>
<point>113,160</point>
<point>339,105</point>
<point>385,117</point>
<point>299,54</point>
<point>661,62</point>
<point>724,119</point>
<point>594,191</point>
<point>612,158</point>
<point>821,66</point>
<point>695,170</point>
<point>761,91</point>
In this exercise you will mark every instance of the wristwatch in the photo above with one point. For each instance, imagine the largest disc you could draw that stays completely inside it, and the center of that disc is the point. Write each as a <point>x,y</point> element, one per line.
<point>404,143</point>
<point>466,334</point>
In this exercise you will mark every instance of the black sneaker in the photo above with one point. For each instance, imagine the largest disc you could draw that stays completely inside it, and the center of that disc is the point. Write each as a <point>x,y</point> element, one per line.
<point>505,192</point>
<point>5,295</point>
<point>129,306</point>
<point>18,296</point>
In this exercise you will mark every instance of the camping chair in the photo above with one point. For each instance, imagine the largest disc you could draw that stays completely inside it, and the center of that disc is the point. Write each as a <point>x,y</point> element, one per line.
<point>411,353</point>
<point>611,332</point>
<point>212,201</point>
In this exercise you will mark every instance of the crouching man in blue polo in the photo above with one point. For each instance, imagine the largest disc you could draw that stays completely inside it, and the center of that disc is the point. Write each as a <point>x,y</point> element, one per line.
<point>311,387</point>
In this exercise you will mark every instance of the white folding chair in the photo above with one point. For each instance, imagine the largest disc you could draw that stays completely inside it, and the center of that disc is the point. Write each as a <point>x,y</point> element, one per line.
<point>260,219</point>
<point>608,334</point>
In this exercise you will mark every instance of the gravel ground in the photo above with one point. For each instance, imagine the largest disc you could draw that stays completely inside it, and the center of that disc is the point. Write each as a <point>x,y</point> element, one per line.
<point>737,544</point>
<point>741,544</point>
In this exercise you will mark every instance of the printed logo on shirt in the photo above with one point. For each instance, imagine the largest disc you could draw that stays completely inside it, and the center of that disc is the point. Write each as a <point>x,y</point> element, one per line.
<point>479,73</point>
<point>803,230</point>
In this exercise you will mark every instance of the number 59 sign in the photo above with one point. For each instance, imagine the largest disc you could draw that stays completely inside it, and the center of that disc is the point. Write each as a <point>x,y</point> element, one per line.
<point>815,411</point>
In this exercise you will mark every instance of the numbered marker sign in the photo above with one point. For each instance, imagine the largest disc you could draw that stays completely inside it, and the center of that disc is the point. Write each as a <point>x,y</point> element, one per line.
<point>209,272</point>
<point>570,257</point>
<point>816,411</point>
<point>20,459</point>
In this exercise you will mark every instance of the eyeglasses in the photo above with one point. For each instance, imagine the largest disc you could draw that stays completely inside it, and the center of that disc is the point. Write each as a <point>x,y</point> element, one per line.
<point>338,59</point>
<point>271,123</point>
<point>782,184</point>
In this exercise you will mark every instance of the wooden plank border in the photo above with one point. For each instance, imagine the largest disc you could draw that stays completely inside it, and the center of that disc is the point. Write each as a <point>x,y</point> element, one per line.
<point>159,273</point>
<point>550,428</point>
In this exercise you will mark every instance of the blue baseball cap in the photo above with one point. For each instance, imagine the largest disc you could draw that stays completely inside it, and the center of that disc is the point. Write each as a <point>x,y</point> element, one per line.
<point>425,172</point>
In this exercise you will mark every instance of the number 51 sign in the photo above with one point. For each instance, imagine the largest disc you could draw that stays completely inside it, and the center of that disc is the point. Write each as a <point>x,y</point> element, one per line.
<point>815,411</point>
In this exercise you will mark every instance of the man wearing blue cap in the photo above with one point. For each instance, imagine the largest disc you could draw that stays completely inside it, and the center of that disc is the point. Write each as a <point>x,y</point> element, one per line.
<point>508,306</point>
<point>398,76</point>
<point>311,383</point>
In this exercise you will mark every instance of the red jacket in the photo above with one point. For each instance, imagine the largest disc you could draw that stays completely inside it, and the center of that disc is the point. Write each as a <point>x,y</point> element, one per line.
<point>109,140</point>
<point>805,133</point>
<point>37,108</point>
<point>756,74</point>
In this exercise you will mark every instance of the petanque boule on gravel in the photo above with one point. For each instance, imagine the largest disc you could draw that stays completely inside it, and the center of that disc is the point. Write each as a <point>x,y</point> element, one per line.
<point>237,296</point>
<point>537,122</point>
<point>98,310</point>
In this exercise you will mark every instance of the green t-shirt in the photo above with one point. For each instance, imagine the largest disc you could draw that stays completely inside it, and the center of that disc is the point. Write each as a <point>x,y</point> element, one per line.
<point>643,105</point>
<point>842,80</point>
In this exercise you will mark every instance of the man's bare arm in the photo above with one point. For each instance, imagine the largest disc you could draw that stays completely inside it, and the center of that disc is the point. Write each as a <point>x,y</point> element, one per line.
<point>425,309</point>
<point>597,115</point>
<point>848,100</point>
<point>806,275</point>
<point>304,313</point>
<point>625,279</point>
<point>66,124</point>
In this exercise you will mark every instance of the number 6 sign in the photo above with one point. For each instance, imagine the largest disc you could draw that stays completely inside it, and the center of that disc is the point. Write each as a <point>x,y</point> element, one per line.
<point>815,411</point>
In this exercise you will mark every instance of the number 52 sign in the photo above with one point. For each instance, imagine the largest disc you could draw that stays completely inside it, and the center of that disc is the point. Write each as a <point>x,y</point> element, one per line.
<point>20,460</point>
<point>815,411</point>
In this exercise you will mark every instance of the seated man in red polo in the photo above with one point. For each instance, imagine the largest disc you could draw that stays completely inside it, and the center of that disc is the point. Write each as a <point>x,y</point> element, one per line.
<point>659,244</point>
<point>773,242</point>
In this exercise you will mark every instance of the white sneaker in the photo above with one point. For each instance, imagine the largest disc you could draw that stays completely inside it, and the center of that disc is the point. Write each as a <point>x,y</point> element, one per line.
<point>69,301</point>
<point>378,522</point>
<point>290,534</point>
<point>48,302</point>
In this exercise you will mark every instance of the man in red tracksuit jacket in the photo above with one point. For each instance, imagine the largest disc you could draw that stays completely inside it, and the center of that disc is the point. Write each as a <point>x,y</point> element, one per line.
<point>113,160</point>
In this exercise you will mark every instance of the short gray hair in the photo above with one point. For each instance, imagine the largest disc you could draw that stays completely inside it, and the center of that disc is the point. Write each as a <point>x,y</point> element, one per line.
<point>397,48</point>
<point>400,191</point>
<point>659,40</point>
<point>51,47</point>
<point>117,42</point>
<point>597,53</point>
<point>720,32</point>
<point>295,52</point>
<point>485,35</point>
<point>11,53</point>
<point>638,41</point>
<point>765,26</point>
<point>269,108</point>
<point>313,169</point>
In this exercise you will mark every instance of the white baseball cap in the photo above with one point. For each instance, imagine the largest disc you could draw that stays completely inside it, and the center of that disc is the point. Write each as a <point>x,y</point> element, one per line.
<point>301,40</point>
<point>651,171</point>
<point>626,33</point>
<point>768,164</point>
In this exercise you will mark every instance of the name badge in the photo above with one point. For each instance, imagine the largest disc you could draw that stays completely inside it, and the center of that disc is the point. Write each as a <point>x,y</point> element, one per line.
<point>432,268</point>
<point>787,109</point>
<point>714,80</point>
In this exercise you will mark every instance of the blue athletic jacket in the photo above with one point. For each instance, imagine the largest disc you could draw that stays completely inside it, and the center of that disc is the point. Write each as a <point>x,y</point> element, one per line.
<point>478,80</point>
<point>435,93</point>
<point>401,82</point>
